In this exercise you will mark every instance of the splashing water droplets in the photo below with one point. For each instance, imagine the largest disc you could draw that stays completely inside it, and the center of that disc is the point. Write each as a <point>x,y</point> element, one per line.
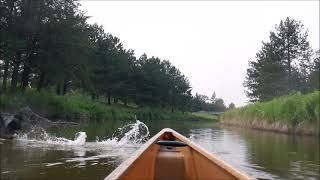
<point>114,150</point>
<point>133,133</point>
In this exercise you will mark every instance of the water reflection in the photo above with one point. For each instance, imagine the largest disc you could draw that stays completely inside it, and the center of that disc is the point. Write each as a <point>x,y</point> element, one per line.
<point>263,155</point>
<point>51,157</point>
<point>286,156</point>
<point>231,148</point>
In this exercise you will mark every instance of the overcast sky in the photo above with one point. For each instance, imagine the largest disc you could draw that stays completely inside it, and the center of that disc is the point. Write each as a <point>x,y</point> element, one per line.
<point>210,42</point>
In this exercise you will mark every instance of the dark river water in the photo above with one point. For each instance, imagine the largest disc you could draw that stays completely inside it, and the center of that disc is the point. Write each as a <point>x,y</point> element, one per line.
<point>56,154</point>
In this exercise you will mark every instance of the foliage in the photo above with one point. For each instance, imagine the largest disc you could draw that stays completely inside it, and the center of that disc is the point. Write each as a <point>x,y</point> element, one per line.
<point>283,65</point>
<point>201,102</point>
<point>206,116</point>
<point>294,110</point>
<point>77,107</point>
<point>231,106</point>
<point>48,45</point>
<point>313,80</point>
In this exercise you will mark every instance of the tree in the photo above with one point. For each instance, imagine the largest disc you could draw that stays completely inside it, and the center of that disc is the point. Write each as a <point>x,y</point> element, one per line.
<point>159,82</point>
<point>282,65</point>
<point>12,42</point>
<point>44,41</point>
<point>199,102</point>
<point>213,97</point>
<point>49,45</point>
<point>313,80</point>
<point>266,77</point>
<point>231,106</point>
<point>291,43</point>
<point>219,105</point>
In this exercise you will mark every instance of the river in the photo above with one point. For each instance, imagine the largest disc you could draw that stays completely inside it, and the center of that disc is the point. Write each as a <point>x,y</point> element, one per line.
<point>39,154</point>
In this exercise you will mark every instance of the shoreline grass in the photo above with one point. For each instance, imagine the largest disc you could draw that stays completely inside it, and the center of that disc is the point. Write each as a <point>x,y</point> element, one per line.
<point>208,117</point>
<point>80,108</point>
<point>295,113</point>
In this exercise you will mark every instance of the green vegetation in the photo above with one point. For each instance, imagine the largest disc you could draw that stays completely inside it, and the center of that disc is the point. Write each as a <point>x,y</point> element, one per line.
<point>285,68</point>
<point>206,116</point>
<point>285,63</point>
<point>294,113</point>
<point>49,45</point>
<point>77,107</point>
<point>202,102</point>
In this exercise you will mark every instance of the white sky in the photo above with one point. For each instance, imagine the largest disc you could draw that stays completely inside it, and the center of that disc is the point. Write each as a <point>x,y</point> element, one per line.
<point>210,42</point>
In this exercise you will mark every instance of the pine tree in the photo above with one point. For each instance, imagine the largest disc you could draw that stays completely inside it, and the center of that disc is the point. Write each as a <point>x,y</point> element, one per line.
<point>282,65</point>
<point>290,40</point>
<point>266,77</point>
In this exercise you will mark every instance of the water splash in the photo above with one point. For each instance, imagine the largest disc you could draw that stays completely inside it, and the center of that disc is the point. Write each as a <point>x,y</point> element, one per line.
<point>39,135</point>
<point>121,145</point>
<point>132,133</point>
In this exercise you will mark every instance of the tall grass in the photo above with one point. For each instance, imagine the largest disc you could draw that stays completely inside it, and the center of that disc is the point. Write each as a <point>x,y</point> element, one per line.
<point>295,111</point>
<point>78,107</point>
<point>206,116</point>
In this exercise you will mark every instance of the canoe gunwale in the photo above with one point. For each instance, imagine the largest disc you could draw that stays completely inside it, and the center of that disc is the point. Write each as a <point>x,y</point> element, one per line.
<point>123,167</point>
<point>213,158</point>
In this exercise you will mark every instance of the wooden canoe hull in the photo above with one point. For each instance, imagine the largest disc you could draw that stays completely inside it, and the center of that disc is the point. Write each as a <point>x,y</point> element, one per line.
<point>190,162</point>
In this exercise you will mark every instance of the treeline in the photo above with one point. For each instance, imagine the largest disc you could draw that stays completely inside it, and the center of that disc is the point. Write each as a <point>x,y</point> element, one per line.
<point>204,103</point>
<point>48,45</point>
<point>285,63</point>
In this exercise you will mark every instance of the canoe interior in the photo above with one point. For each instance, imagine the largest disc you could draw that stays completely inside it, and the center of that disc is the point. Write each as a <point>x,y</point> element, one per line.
<point>189,162</point>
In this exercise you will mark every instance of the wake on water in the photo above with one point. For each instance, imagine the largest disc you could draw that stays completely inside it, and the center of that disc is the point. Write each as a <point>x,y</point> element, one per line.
<point>133,133</point>
<point>122,143</point>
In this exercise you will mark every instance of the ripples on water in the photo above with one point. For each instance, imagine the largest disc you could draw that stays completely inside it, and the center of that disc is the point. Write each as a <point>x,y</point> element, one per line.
<point>234,152</point>
<point>40,155</point>
<point>264,155</point>
<point>125,140</point>
<point>75,153</point>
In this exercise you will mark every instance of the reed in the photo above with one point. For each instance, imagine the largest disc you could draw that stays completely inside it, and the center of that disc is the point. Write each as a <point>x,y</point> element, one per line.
<point>295,113</point>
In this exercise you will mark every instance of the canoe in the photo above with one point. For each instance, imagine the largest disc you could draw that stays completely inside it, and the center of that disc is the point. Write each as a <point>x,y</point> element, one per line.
<point>170,156</point>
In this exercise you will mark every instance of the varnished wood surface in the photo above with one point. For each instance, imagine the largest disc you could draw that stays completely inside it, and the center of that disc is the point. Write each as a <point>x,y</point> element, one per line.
<point>146,162</point>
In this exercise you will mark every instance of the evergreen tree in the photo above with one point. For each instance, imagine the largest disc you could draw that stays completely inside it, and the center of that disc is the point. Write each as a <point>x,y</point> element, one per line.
<point>290,40</point>
<point>48,44</point>
<point>266,77</point>
<point>231,106</point>
<point>282,65</point>
<point>314,78</point>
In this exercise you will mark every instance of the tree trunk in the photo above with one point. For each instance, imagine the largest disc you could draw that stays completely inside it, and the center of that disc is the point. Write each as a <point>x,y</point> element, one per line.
<point>25,74</point>
<point>65,88</point>
<point>125,102</point>
<point>115,100</point>
<point>109,97</point>
<point>58,89</point>
<point>14,77</point>
<point>41,81</point>
<point>289,67</point>
<point>289,76</point>
<point>93,96</point>
<point>5,74</point>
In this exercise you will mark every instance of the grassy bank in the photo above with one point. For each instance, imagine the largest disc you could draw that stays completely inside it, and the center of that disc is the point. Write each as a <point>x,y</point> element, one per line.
<point>78,107</point>
<point>295,113</point>
<point>206,116</point>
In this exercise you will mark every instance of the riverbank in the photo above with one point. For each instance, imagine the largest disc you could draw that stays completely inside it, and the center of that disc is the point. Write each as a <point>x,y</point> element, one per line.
<point>77,107</point>
<point>296,114</point>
